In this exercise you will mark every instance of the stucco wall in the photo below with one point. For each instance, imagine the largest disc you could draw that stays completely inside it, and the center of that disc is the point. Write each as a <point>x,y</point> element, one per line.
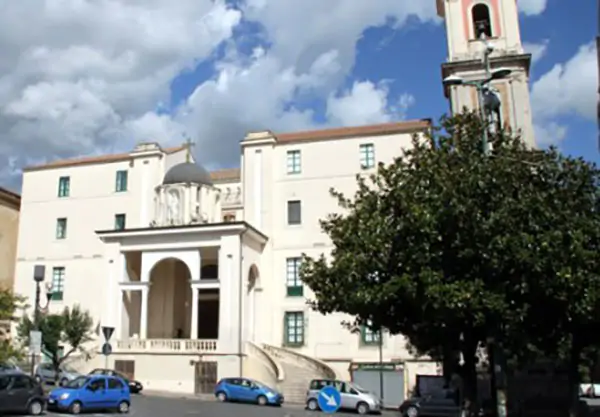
<point>9,228</point>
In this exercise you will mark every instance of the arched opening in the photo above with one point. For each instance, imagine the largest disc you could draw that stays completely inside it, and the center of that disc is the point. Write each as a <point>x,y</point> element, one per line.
<point>482,22</point>
<point>169,300</point>
<point>252,296</point>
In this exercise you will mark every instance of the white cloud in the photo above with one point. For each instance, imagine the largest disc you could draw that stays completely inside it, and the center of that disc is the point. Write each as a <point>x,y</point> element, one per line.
<point>85,76</point>
<point>537,50</point>
<point>532,7</point>
<point>568,89</point>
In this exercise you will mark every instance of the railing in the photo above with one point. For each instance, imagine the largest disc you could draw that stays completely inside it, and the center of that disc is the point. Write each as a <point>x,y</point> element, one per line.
<point>312,363</point>
<point>166,345</point>
<point>274,368</point>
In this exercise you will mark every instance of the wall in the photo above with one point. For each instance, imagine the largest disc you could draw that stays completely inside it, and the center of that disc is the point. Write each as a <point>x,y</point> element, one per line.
<point>9,227</point>
<point>325,337</point>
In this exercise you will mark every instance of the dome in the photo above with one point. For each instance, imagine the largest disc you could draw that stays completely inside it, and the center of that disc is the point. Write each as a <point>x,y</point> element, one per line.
<point>187,172</point>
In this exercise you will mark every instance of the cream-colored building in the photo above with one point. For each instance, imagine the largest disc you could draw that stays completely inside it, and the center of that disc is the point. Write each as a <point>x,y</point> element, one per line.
<point>197,271</point>
<point>9,228</point>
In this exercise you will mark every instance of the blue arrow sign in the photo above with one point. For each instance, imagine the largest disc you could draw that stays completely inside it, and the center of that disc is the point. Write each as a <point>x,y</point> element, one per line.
<point>330,400</point>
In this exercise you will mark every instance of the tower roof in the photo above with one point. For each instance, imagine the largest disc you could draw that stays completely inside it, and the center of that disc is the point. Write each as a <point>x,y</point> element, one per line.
<point>188,172</point>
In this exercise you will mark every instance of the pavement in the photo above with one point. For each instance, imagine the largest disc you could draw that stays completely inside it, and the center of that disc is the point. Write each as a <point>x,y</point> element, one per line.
<point>176,406</point>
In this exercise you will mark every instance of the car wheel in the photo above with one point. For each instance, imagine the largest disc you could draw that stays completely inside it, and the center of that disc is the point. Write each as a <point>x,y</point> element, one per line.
<point>411,412</point>
<point>222,397</point>
<point>35,408</point>
<point>63,382</point>
<point>312,405</point>
<point>262,400</point>
<point>362,408</point>
<point>75,408</point>
<point>123,407</point>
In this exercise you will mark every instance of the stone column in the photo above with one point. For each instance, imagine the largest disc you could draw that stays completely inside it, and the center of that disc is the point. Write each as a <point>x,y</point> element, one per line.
<point>144,314</point>
<point>194,312</point>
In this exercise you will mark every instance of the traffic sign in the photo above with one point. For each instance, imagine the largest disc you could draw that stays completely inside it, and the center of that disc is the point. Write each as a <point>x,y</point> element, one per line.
<point>107,331</point>
<point>329,399</point>
<point>106,349</point>
<point>35,342</point>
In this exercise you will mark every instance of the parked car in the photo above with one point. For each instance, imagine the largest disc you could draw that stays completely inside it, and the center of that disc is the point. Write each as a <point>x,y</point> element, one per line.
<point>19,393</point>
<point>135,387</point>
<point>353,396</point>
<point>444,402</point>
<point>247,390</point>
<point>45,373</point>
<point>5,366</point>
<point>91,392</point>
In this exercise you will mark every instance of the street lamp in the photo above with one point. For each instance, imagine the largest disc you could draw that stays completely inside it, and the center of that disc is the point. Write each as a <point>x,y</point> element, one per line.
<point>39,272</point>
<point>484,95</point>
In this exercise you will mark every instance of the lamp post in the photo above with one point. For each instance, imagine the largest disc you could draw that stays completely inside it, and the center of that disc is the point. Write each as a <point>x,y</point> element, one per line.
<point>488,102</point>
<point>380,343</point>
<point>39,272</point>
<point>485,97</point>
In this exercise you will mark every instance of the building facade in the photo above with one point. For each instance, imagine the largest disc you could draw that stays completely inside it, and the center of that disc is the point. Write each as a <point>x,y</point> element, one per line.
<point>200,270</point>
<point>10,204</point>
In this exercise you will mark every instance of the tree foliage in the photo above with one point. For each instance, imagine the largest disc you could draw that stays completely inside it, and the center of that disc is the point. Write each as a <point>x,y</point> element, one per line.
<point>9,303</point>
<point>451,246</point>
<point>70,330</point>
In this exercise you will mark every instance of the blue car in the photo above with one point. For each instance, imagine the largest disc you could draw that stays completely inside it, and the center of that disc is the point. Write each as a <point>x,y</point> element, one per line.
<point>248,391</point>
<point>91,392</point>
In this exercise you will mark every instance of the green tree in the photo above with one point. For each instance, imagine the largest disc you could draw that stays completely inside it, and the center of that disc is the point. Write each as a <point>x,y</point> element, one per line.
<point>440,246</point>
<point>9,303</point>
<point>72,328</point>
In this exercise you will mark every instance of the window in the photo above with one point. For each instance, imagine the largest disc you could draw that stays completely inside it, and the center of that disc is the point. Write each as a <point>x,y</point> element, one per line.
<point>228,218</point>
<point>114,383</point>
<point>61,228</point>
<point>294,328</point>
<point>64,184</point>
<point>294,284</point>
<point>369,336</point>
<point>58,283</point>
<point>294,212</point>
<point>120,221</point>
<point>294,162</point>
<point>121,182</point>
<point>22,382</point>
<point>482,26</point>
<point>367,155</point>
<point>97,384</point>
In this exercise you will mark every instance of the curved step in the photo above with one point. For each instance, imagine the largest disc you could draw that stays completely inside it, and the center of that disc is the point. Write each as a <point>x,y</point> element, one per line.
<point>267,363</point>
<point>319,367</point>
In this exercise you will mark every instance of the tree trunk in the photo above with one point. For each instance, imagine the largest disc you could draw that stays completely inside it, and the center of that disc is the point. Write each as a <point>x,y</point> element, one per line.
<point>469,376</point>
<point>574,361</point>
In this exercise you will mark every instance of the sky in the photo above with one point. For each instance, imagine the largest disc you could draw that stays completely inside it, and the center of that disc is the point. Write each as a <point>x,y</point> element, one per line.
<point>82,77</point>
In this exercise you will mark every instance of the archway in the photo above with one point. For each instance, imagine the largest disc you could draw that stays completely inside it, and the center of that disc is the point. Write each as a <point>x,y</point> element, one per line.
<point>169,300</point>
<point>252,297</point>
<point>481,20</point>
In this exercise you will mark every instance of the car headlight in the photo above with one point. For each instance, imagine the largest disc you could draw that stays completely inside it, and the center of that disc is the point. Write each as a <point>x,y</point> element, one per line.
<point>270,394</point>
<point>64,396</point>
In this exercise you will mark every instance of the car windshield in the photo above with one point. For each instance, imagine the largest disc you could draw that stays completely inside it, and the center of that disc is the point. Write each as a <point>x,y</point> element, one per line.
<point>77,382</point>
<point>259,384</point>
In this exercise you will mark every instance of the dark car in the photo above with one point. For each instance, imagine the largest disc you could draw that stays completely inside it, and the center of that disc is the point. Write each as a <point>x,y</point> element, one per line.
<point>135,387</point>
<point>443,402</point>
<point>19,393</point>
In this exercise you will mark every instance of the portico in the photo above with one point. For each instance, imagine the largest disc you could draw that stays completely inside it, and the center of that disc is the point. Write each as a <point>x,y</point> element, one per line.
<point>179,288</point>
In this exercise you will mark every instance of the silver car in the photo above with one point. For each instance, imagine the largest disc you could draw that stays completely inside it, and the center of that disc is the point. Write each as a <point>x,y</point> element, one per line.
<point>45,373</point>
<point>353,396</point>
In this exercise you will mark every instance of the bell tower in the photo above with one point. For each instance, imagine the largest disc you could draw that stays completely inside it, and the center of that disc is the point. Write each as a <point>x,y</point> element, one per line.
<point>474,29</point>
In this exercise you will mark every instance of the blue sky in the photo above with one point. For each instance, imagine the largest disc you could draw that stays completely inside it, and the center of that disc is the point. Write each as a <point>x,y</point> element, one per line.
<point>97,77</point>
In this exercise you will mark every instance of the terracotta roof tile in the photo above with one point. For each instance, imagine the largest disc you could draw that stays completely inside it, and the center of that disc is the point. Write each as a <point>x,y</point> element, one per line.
<point>410,126</point>
<point>88,160</point>
<point>9,197</point>
<point>232,174</point>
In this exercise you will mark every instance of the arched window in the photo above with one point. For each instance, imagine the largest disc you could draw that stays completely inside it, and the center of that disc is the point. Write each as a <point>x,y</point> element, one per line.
<point>482,23</point>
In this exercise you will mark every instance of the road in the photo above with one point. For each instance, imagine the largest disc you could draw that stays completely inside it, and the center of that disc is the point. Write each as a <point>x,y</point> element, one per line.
<point>149,406</point>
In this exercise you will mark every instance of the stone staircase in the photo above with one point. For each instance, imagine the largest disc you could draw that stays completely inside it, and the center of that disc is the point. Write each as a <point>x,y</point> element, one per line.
<point>298,371</point>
